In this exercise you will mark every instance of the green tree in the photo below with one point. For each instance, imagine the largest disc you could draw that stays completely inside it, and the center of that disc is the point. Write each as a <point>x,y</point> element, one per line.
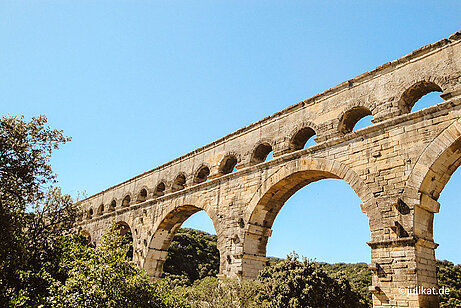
<point>104,276</point>
<point>32,213</point>
<point>211,292</point>
<point>449,277</point>
<point>292,283</point>
<point>192,255</point>
<point>358,275</point>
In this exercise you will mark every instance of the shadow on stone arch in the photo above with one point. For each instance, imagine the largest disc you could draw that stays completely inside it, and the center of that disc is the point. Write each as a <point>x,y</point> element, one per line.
<point>159,244</point>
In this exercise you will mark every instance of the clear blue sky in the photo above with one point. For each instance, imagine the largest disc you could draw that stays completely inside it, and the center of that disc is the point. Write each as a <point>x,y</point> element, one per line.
<point>138,83</point>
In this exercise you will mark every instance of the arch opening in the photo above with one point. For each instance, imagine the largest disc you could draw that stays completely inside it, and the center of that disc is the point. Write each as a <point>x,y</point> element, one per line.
<point>89,214</point>
<point>352,117</point>
<point>263,212</point>
<point>127,237</point>
<point>101,209</point>
<point>174,249</point>
<point>126,201</point>
<point>202,174</point>
<point>160,190</point>
<point>112,206</point>
<point>179,183</point>
<point>450,213</point>
<point>262,153</point>
<point>303,138</point>
<point>308,210</point>
<point>228,164</point>
<point>438,175</point>
<point>413,95</point>
<point>142,196</point>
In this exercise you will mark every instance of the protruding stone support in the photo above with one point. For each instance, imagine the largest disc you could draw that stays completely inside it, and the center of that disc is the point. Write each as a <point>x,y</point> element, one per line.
<point>254,257</point>
<point>153,264</point>
<point>402,269</point>
<point>251,265</point>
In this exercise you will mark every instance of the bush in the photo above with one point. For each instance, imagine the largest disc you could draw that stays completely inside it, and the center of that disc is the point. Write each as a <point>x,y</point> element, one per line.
<point>292,283</point>
<point>212,292</point>
<point>103,276</point>
<point>449,276</point>
<point>192,255</point>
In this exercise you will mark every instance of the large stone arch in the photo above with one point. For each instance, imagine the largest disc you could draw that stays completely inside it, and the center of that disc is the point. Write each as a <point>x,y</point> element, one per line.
<point>431,173</point>
<point>166,227</point>
<point>435,165</point>
<point>278,188</point>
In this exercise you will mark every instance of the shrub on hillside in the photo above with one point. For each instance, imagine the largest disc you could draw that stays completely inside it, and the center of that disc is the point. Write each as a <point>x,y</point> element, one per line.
<point>293,283</point>
<point>192,255</point>
<point>449,276</point>
<point>104,276</point>
<point>212,292</point>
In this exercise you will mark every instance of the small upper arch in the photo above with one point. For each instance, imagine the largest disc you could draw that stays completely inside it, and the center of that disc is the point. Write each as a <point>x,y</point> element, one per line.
<point>301,136</point>
<point>101,209</point>
<point>261,152</point>
<point>112,205</point>
<point>89,214</point>
<point>416,91</point>
<point>228,163</point>
<point>126,201</point>
<point>142,195</point>
<point>160,189</point>
<point>179,182</point>
<point>351,117</point>
<point>202,173</point>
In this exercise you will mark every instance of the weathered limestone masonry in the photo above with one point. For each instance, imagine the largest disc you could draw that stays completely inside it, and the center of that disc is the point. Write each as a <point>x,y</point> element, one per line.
<point>398,166</point>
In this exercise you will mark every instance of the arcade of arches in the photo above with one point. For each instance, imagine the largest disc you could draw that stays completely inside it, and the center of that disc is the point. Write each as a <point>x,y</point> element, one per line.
<point>398,166</point>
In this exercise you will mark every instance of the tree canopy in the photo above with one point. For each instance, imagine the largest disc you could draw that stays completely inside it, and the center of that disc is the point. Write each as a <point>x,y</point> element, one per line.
<point>192,255</point>
<point>32,213</point>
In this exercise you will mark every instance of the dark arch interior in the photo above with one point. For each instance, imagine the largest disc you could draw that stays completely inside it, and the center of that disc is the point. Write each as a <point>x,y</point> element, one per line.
<point>101,209</point>
<point>185,258</point>
<point>142,196</point>
<point>415,93</point>
<point>112,205</point>
<point>90,214</point>
<point>228,164</point>
<point>127,237</point>
<point>202,174</point>
<point>160,189</point>
<point>302,136</point>
<point>179,183</point>
<point>163,236</point>
<point>351,117</point>
<point>261,152</point>
<point>126,201</point>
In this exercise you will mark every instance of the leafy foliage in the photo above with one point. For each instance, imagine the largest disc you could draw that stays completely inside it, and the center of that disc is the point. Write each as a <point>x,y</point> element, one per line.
<point>358,275</point>
<point>292,283</point>
<point>192,255</point>
<point>28,237</point>
<point>103,276</point>
<point>213,292</point>
<point>449,276</point>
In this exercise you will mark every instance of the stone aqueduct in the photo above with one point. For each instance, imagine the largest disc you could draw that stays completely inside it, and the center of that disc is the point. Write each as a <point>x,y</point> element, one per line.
<point>398,167</point>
